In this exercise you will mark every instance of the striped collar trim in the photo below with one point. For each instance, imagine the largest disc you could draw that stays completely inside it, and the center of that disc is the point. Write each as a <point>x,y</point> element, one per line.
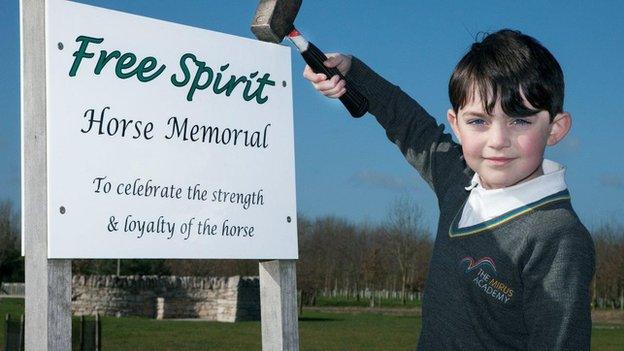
<point>455,231</point>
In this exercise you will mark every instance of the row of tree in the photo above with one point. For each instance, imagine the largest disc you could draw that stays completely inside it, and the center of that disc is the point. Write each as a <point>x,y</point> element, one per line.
<point>608,284</point>
<point>338,255</point>
<point>11,260</point>
<point>335,254</point>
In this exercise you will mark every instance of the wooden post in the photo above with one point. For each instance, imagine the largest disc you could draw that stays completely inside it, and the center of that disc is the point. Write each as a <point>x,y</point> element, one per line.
<point>98,332</point>
<point>48,282</point>
<point>300,301</point>
<point>82,333</point>
<point>7,323</point>
<point>278,305</point>
<point>21,334</point>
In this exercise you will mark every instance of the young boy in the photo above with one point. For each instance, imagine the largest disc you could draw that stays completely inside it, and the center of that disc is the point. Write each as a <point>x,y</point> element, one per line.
<point>512,263</point>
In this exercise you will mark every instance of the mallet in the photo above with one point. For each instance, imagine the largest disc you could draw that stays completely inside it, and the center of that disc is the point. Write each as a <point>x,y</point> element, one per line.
<point>274,20</point>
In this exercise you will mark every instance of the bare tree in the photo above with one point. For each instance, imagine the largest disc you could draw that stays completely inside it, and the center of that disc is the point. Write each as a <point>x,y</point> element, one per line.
<point>405,235</point>
<point>608,287</point>
<point>310,267</point>
<point>376,263</point>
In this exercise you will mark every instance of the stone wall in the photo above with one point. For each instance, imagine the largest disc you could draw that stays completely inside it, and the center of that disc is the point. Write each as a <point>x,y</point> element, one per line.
<point>229,299</point>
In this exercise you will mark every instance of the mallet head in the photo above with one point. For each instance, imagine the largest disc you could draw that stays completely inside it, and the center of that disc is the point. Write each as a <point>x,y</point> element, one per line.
<point>274,19</point>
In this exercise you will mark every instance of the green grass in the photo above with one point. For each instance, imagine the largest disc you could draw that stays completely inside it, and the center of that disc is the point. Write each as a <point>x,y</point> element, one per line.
<point>607,336</point>
<point>13,306</point>
<point>318,331</point>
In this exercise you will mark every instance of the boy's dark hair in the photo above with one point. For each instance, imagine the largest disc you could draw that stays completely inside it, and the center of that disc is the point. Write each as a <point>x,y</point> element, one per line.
<point>505,65</point>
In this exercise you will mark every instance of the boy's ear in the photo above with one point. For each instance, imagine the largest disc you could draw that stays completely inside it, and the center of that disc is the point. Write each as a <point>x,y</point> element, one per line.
<point>559,128</point>
<point>451,117</point>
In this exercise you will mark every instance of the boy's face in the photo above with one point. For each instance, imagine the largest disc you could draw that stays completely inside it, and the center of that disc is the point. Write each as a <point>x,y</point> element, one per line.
<point>505,151</point>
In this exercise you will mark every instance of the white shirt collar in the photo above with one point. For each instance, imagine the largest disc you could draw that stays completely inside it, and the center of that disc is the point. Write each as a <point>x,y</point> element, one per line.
<point>484,204</point>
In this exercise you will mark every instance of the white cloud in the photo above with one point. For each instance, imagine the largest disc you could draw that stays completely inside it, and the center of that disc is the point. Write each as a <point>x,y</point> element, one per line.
<point>612,181</point>
<point>372,178</point>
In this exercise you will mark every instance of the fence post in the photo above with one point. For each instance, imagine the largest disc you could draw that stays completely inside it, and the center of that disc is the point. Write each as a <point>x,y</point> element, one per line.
<point>82,331</point>
<point>21,334</point>
<point>278,305</point>
<point>300,301</point>
<point>7,321</point>
<point>48,282</point>
<point>98,332</point>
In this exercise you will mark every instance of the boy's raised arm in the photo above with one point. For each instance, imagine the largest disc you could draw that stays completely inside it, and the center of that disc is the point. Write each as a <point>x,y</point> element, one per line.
<point>422,141</point>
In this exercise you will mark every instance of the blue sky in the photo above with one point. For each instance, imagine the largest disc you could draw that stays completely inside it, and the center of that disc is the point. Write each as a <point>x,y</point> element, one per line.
<point>347,167</point>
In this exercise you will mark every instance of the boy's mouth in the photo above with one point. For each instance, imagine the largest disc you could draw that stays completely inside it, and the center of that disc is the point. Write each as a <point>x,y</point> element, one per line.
<point>499,160</point>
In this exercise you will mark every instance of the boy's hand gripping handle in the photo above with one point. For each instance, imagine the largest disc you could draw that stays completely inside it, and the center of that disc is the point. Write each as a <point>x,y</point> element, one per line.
<point>356,103</point>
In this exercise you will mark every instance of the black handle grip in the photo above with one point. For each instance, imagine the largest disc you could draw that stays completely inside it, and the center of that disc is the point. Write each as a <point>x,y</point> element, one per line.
<point>356,103</point>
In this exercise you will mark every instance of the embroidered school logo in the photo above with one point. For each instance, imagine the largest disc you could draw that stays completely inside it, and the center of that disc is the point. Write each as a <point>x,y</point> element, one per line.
<point>472,265</point>
<point>483,272</point>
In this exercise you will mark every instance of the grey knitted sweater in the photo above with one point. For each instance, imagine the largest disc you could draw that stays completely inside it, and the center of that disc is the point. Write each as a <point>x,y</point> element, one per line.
<point>517,282</point>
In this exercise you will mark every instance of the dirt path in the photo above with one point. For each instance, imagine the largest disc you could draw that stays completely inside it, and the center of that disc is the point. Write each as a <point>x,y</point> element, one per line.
<point>415,311</point>
<point>608,316</point>
<point>602,316</point>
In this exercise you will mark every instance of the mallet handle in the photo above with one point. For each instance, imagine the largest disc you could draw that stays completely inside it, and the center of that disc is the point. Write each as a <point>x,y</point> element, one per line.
<point>353,100</point>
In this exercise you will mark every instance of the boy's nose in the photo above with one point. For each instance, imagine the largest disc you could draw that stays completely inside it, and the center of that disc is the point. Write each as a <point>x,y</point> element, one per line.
<point>499,137</point>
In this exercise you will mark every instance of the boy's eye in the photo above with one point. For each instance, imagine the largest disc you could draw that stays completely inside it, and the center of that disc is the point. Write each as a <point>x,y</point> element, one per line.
<point>476,122</point>
<point>521,122</point>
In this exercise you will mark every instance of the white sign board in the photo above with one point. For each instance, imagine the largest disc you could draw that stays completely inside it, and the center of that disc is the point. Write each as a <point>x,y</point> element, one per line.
<point>166,141</point>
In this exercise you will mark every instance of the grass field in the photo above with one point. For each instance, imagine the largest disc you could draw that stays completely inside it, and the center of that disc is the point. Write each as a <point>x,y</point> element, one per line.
<point>323,331</point>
